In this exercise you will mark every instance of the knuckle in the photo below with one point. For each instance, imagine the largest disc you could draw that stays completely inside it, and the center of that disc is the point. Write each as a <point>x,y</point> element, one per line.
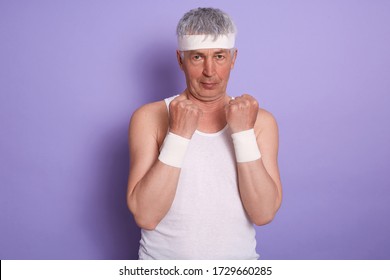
<point>243,104</point>
<point>233,107</point>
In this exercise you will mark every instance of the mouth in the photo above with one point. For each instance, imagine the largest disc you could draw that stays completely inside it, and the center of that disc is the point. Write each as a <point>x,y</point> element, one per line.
<point>209,85</point>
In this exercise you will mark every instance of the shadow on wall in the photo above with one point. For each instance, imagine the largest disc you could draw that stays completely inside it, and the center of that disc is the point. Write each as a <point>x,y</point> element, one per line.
<point>110,223</point>
<point>156,75</point>
<point>122,234</point>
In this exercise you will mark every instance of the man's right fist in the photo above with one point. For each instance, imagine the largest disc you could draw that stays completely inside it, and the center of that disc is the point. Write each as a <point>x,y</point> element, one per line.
<point>184,116</point>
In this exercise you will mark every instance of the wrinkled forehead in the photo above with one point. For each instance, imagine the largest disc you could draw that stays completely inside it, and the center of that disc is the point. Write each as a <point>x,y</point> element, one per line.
<point>208,51</point>
<point>202,42</point>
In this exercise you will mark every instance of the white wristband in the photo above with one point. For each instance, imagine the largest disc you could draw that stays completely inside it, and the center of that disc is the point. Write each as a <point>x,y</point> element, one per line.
<point>173,150</point>
<point>245,146</point>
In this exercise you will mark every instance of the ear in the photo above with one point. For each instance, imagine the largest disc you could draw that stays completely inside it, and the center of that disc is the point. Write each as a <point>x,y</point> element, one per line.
<point>179,60</point>
<point>234,58</point>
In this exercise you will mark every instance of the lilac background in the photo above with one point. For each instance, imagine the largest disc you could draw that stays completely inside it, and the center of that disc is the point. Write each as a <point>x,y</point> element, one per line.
<point>73,72</point>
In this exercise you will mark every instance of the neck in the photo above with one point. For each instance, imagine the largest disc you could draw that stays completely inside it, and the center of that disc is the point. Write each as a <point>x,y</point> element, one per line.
<point>213,118</point>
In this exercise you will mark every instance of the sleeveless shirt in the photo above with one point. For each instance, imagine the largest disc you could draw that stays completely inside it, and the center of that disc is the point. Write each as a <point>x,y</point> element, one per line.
<point>207,219</point>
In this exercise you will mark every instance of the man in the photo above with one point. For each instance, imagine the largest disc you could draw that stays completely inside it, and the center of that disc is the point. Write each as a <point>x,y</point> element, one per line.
<point>203,164</point>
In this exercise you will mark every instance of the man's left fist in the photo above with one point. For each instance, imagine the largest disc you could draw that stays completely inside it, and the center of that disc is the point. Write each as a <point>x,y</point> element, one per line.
<point>241,113</point>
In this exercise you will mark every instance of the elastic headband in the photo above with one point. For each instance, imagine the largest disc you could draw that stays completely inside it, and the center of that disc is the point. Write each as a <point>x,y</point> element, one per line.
<point>197,42</point>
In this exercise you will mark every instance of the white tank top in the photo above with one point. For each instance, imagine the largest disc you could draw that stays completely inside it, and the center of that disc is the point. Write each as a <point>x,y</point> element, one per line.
<point>207,219</point>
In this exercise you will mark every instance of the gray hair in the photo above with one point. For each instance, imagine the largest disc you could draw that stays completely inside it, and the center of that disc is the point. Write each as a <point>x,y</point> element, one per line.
<point>205,21</point>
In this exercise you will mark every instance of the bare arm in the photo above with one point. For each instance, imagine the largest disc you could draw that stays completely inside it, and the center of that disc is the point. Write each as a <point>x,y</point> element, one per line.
<point>259,180</point>
<point>152,184</point>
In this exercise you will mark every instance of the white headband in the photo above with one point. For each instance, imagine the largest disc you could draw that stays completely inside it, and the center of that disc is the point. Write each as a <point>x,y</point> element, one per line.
<point>197,42</point>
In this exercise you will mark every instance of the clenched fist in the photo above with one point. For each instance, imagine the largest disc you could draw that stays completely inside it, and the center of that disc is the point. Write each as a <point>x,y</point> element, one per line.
<point>184,116</point>
<point>241,113</point>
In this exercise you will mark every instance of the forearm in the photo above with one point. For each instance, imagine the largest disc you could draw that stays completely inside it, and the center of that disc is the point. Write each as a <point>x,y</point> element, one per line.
<point>153,195</point>
<point>156,161</point>
<point>259,192</point>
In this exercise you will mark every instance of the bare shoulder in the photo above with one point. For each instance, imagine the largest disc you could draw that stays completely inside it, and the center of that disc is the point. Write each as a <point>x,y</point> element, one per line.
<point>150,111</point>
<point>265,122</point>
<point>150,119</point>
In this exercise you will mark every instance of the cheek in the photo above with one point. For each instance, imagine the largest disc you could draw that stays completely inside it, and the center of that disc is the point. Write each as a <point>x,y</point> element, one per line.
<point>224,73</point>
<point>193,73</point>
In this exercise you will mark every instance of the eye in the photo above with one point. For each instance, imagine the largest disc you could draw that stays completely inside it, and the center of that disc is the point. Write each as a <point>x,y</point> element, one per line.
<point>196,57</point>
<point>219,56</point>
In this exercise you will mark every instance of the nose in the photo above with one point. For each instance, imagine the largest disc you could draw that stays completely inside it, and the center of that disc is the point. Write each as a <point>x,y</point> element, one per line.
<point>208,67</point>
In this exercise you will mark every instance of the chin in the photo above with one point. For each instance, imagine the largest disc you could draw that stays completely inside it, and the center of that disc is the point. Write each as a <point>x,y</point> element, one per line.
<point>210,96</point>
<point>206,94</point>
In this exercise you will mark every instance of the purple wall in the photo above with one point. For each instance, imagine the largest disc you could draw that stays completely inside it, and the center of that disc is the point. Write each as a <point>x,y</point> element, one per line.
<point>73,72</point>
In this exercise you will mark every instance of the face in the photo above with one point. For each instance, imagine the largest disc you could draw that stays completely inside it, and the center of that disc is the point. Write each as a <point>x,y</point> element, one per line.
<point>207,71</point>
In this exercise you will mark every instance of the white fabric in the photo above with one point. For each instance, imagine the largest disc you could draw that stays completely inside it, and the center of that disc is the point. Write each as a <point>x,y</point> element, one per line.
<point>207,219</point>
<point>173,150</point>
<point>197,42</point>
<point>245,146</point>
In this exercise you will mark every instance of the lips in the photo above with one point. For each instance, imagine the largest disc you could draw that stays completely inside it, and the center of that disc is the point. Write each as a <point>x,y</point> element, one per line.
<point>208,85</point>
